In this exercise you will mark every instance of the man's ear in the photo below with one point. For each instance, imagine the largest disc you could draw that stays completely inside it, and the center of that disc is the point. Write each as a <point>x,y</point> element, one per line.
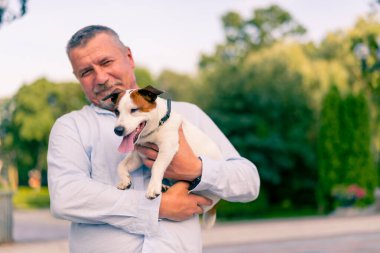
<point>150,93</point>
<point>114,95</point>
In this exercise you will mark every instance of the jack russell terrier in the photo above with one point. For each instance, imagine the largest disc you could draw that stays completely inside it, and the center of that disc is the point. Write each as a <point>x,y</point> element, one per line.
<point>144,117</point>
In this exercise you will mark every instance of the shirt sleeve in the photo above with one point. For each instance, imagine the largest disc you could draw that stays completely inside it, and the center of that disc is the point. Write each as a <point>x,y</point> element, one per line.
<point>235,178</point>
<point>75,196</point>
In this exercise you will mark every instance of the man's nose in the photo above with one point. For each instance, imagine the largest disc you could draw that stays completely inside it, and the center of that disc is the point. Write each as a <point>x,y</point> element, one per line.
<point>101,77</point>
<point>119,130</point>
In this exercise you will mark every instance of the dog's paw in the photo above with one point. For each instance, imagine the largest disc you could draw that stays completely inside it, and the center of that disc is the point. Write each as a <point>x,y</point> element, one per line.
<point>153,191</point>
<point>125,183</point>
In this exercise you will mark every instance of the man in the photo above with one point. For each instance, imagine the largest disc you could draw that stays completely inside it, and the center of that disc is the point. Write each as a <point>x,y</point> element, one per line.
<point>83,158</point>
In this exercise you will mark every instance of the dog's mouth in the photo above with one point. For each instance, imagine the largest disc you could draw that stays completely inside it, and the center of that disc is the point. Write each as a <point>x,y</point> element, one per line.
<point>129,141</point>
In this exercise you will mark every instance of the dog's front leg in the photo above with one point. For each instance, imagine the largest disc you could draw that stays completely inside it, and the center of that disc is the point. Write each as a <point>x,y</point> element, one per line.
<point>130,163</point>
<point>164,157</point>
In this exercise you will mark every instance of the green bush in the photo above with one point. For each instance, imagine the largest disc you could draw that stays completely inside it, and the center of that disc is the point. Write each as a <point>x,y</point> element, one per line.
<point>259,209</point>
<point>344,147</point>
<point>28,198</point>
<point>238,211</point>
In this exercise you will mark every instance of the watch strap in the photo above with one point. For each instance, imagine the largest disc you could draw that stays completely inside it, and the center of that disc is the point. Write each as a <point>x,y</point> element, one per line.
<point>195,182</point>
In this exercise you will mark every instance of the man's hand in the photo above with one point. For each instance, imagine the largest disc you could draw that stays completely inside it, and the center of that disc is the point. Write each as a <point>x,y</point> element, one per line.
<point>178,205</point>
<point>184,166</point>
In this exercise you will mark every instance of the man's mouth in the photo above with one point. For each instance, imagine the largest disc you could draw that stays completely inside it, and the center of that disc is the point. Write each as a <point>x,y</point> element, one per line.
<point>105,90</point>
<point>106,94</point>
<point>129,141</point>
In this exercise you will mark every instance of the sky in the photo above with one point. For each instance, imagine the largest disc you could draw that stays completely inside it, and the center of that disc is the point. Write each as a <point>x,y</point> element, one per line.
<point>162,34</point>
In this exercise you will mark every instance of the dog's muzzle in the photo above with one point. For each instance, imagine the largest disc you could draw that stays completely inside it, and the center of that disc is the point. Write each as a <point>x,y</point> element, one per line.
<point>119,130</point>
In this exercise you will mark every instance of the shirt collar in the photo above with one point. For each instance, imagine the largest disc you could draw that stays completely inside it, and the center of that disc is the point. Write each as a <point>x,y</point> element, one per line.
<point>99,110</point>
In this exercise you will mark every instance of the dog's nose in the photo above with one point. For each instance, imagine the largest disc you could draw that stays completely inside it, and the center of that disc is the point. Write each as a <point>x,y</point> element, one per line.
<point>119,130</point>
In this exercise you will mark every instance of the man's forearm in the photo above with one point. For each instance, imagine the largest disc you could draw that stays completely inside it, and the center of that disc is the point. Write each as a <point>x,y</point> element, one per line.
<point>77,197</point>
<point>90,202</point>
<point>235,179</point>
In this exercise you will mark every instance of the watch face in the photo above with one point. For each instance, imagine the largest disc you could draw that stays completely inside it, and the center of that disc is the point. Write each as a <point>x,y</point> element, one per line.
<point>195,182</point>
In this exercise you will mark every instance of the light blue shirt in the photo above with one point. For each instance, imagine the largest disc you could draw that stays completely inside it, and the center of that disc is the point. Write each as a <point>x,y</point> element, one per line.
<point>82,174</point>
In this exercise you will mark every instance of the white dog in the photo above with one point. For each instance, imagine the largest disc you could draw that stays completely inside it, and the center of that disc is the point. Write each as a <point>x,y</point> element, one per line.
<point>144,117</point>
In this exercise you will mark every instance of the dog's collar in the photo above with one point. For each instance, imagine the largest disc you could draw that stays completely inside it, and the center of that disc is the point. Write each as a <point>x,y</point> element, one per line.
<point>167,115</point>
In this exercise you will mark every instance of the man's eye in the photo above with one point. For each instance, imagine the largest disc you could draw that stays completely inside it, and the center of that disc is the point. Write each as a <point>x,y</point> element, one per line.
<point>85,73</point>
<point>134,110</point>
<point>117,113</point>
<point>105,63</point>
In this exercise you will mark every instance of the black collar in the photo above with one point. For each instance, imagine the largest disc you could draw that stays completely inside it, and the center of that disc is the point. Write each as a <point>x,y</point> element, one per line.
<point>167,115</point>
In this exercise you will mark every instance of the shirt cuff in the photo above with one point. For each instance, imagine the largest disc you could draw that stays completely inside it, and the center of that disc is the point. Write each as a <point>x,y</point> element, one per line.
<point>146,221</point>
<point>210,171</point>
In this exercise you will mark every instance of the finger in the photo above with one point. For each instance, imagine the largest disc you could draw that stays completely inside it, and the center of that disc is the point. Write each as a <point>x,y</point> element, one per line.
<point>150,145</point>
<point>202,200</point>
<point>180,133</point>
<point>199,210</point>
<point>147,152</point>
<point>148,162</point>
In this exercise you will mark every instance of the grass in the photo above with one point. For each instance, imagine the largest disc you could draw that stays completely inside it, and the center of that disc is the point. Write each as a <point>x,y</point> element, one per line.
<point>261,209</point>
<point>28,198</point>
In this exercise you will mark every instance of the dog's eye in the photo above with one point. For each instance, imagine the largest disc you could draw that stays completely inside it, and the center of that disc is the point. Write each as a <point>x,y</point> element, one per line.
<point>117,113</point>
<point>134,110</point>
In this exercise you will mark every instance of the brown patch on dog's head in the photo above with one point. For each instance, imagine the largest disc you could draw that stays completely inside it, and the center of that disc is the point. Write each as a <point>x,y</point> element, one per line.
<point>145,98</point>
<point>143,103</point>
<point>149,93</point>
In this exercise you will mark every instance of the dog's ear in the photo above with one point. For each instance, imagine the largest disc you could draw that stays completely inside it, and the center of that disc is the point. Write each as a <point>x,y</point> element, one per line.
<point>150,93</point>
<point>114,95</point>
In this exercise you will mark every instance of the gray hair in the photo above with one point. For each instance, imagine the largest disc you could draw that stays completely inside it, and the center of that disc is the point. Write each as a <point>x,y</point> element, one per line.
<point>81,37</point>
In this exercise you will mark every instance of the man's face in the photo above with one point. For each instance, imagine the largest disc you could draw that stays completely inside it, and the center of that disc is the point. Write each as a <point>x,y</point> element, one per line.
<point>101,66</point>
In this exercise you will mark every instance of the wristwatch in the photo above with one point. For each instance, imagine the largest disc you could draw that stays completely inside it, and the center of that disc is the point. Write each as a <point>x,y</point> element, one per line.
<point>195,182</point>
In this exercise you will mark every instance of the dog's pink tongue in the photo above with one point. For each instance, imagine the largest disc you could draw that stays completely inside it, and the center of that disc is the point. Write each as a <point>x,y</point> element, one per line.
<point>127,143</point>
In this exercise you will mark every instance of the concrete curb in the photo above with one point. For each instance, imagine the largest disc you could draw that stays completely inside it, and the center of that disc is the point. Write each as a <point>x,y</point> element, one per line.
<point>38,231</point>
<point>290,229</point>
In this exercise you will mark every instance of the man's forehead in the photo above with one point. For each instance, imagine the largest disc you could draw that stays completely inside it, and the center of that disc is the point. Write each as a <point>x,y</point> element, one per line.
<point>99,45</point>
<point>82,59</point>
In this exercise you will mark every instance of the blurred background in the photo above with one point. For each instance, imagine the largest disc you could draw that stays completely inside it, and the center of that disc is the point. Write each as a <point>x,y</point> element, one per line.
<point>294,85</point>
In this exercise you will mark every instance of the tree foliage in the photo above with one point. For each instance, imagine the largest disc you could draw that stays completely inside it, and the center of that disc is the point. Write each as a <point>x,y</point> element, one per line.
<point>36,107</point>
<point>264,109</point>
<point>357,158</point>
<point>344,147</point>
<point>7,14</point>
<point>265,27</point>
<point>181,87</point>
<point>143,77</point>
<point>329,157</point>
<point>265,94</point>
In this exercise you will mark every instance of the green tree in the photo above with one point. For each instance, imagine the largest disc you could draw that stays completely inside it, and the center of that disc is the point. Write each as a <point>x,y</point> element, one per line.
<point>264,28</point>
<point>344,146</point>
<point>5,121</point>
<point>265,111</point>
<point>352,74</point>
<point>258,89</point>
<point>8,14</point>
<point>357,165</point>
<point>329,143</point>
<point>36,106</point>
<point>181,87</point>
<point>143,77</point>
